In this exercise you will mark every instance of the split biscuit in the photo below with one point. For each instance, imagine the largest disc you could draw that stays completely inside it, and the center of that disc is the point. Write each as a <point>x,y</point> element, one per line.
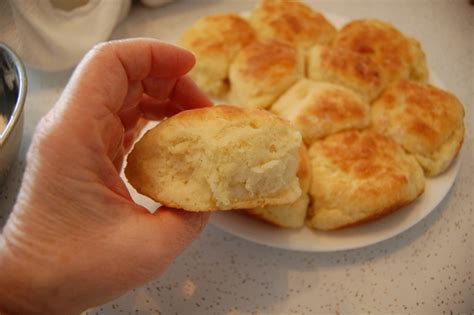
<point>218,158</point>
<point>290,215</point>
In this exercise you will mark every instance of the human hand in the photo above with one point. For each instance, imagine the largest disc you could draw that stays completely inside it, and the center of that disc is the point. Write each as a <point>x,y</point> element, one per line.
<point>75,238</point>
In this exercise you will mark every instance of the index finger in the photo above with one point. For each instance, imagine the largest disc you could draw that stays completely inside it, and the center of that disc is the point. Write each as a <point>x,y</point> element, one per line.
<point>103,77</point>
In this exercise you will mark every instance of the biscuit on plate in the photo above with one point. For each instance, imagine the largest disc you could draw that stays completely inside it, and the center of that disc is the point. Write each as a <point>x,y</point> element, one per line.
<point>367,56</point>
<point>359,176</point>
<point>399,56</point>
<point>218,158</point>
<point>419,69</point>
<point>291,21</point>
<point>290,215</point>
<point>215,40</point>
<point>426,121</point>
<point>319,109</point>
<point>262,71</point>
<point>349,69</point>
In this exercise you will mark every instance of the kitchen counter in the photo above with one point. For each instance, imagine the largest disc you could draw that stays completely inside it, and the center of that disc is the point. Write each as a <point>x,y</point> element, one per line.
<point>425,270</point>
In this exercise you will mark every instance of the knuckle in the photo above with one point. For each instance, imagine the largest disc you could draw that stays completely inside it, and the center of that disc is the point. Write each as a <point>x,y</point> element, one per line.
<point>103,48</point>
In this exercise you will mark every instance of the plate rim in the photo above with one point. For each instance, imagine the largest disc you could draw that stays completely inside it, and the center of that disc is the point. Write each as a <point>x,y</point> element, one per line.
<point>453,168</point>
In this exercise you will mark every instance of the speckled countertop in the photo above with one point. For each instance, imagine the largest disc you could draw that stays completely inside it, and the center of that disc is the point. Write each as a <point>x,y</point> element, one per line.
<point>425,270</point>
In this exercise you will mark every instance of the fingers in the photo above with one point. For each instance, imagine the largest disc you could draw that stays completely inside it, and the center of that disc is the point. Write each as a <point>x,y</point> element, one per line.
<point>174,229</point>
<point>182,91</point>
<point>184,94</point>
<point>172,98</point>
<point>132,134</point>
<point>190,223</point>
<point>188,95</point>
<point>152,109</point>
<point>176,95</point>
<point>113,77</point>
<point>149,57</point>
<point>159,88</point>
<point>106,78</point>
<point>128,140</point>
<point>163,98</point>
<point>134,95</point>
<point>130,117</point>
<point>153,241</point>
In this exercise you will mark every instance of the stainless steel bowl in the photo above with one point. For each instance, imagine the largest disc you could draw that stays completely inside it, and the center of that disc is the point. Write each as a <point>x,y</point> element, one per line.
<point>13,85</point>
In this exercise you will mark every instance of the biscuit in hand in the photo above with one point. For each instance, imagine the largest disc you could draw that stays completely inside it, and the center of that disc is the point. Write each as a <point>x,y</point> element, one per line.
<point>290,215</point>
<point>218,158</point>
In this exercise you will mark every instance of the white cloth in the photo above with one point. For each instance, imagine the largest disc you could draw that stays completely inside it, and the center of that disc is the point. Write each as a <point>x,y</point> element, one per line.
<point>50,38</point>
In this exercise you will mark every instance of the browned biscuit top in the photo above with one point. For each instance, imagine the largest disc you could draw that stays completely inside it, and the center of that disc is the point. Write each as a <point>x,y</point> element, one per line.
<point>383,43</point>
<point>292,21</point>
<point>218,34</point>
<point>265,59</point>
<point>425,116</point>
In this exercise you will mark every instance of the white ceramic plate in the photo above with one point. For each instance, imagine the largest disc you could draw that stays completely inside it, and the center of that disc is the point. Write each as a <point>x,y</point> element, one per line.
<point>306,239</point>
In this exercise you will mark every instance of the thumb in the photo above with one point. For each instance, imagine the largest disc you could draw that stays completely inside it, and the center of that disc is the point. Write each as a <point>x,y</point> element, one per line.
<point>153,241</point>
<point>174,229</point>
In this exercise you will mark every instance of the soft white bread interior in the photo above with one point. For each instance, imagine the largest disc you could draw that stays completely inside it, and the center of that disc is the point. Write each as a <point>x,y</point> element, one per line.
<point>218,158</point>
<point>290,215</point>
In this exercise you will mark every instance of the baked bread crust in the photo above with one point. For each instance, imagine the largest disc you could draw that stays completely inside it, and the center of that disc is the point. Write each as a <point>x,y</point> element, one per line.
<point>400,57</point>
<point>293,22</point>
<point>216,40</point>
<point>366,56</point>
<point>426,121</point>
<point>319,109</point>
<point>359,176</point>
<point>291,215</point>
<point>262,71</point>
<point>346,68</point>
<point>218,158</point>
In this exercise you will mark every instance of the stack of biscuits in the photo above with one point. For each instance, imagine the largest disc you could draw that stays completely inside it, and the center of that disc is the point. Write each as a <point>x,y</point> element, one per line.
<point>372,129</point>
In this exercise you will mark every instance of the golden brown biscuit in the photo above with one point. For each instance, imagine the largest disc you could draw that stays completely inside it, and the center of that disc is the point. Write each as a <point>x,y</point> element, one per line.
<point>215,40</point>
<point>291,21</point>
<point>218,158</point>
<point>399,56</point>
<point>290,215</point>
<point>428,122</point>
<point>419,69</point>
<point>262,71</point>
<point>366,56</point>
<point>319,109</point>
<point>359,176</point>
<point>349,69</point>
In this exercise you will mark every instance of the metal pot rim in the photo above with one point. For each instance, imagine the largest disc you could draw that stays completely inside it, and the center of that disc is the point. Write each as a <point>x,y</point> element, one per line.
<point>22,87</point>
